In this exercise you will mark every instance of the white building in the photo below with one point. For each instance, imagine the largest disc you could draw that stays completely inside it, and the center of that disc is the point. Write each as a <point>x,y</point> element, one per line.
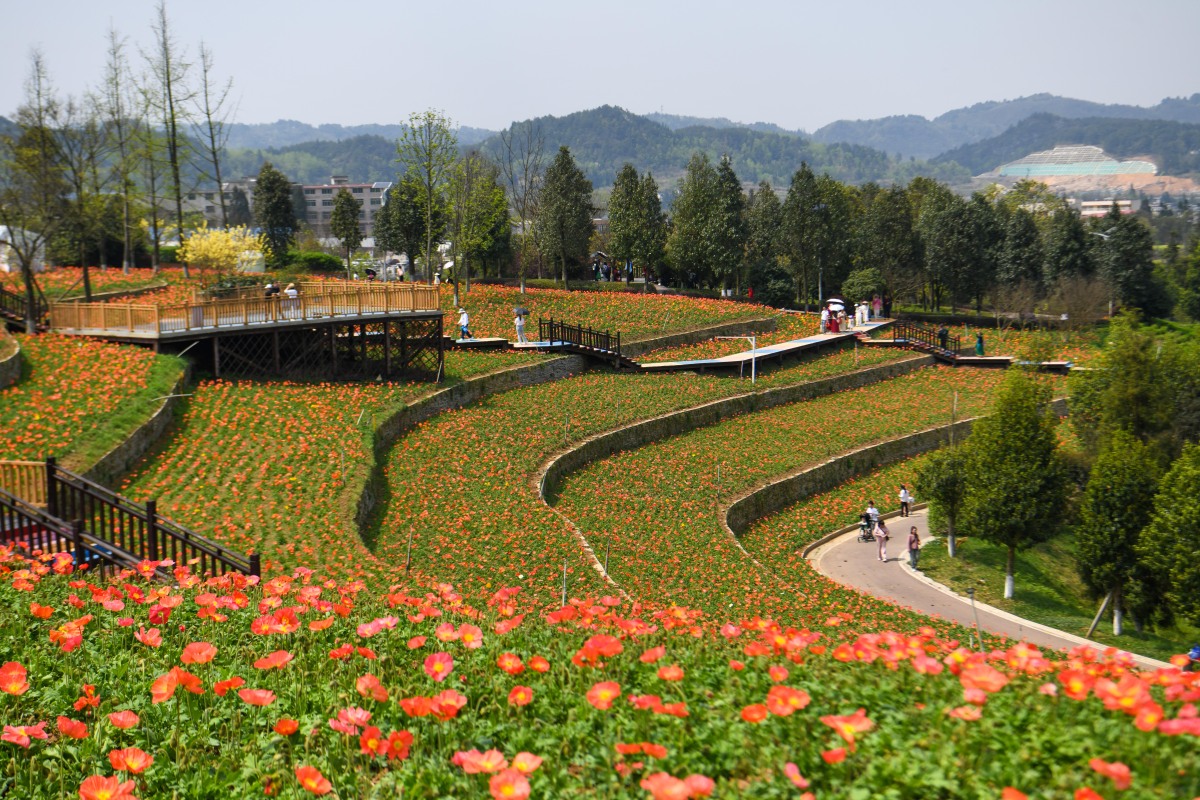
<point>8,258</point>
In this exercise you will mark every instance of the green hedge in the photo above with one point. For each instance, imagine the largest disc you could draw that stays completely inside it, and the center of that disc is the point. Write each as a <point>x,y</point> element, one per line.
<point>315,261</point>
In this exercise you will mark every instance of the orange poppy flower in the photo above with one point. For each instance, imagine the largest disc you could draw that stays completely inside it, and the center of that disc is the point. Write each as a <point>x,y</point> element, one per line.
<point>474,762</point>
<point>220,688</point>
<point>526,763</point>
<point>71,728</point>
<point>40,611</point>
<point>123,719</point>
<point>1116,771</point>
<point>130,759</point>
<point>369,686</point>
<point>12,678</point>
<point>847,726</point>
<point>509,785</point>
<point>662,786</point>
<point>286,727</point>
<point>312,780</point>
<point>198,653</point>
<point>754,713</point>
<point>539,664</point>
<point>277,660</point>
<point>834,756</point>
<point>98,787</point>
<point>783,700</point>
<point>674,672</point>
<point>446,705</point>
<point>21,735</point>
<point>398,745</point>
<point>793,774</point>
<point>520,696</point>
<point>438,666</point>
<point>510,663</point>
<point>1009,793</point>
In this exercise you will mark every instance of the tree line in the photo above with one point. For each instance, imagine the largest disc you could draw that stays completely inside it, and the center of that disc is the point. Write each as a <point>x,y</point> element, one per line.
<point>1127,492</point>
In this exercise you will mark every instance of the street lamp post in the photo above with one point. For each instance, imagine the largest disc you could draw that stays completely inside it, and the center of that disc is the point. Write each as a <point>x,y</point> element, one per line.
<point>753,353</point>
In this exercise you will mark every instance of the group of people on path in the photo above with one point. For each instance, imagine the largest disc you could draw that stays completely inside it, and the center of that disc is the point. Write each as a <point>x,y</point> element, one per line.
<point>882,534</point>
<point>834,318</point>
<point>464,325</point>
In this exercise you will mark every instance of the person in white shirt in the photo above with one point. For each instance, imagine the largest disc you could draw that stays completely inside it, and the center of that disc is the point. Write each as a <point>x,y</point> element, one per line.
<point>824,319</point>
<point>464,322</point>
<point>872,512</point>
<point>519,322</point>
<point>905,501</point>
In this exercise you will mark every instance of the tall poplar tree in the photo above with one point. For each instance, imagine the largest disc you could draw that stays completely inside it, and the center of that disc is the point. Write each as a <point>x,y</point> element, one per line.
<point>727,227</point>
<point>343,224</point>
<point>428,150</point>
<point>690,215</point>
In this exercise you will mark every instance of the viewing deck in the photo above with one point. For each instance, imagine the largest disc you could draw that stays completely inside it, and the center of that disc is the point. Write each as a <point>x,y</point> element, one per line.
<point>317,302</point>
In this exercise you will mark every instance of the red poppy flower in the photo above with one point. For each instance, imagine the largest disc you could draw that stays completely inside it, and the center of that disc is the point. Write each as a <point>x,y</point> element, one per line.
<point>150,638</point>
<point>602,694</point>
<point>674,672</point>
<point>1119,773</point>
<point>417,706</point>
<point>257,697</point>
<point>652,654</point>
<point>98,787</point>
<point>438,666</point>
<point>163,687</point>
<point>754,713</point>
<point>369,686</point>
<point>520,696</point>
<point>793,774</point>
<point>1009,793</point>
<point>277,660</point>
<point>474,762</point>
<point>510,663</point>
<point>220,688</point>
<point>847,726</point>
<point>313,781</point>
<point>446,705</point>
<point>783,700</point>
<point>71,728</point>
<point>526,763</point>
<point>372,743</point>
<point>22,734</point>
<point>398,744</point>
<point>12,678</point>
<point>286,727</point>
<point>40,611</point>
<point>198,653</point>
<point>539,664</point>
<point>662,786</point>
<point>699,785</point>
<point>123,719</point>
<point>509,785</point>
<point>834,756</point>
<point>416,642</point>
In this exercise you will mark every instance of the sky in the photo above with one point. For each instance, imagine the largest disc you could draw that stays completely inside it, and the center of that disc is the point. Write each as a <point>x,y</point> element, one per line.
<point>798,64</point>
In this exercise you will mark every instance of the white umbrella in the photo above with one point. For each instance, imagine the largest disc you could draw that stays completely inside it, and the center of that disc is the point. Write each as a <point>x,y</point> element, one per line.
<point>835,304</point>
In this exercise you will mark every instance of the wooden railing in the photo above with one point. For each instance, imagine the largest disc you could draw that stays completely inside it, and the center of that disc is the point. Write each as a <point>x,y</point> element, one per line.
<point>924,337</point>
<point>551,331</point>
<point>24,479</point>
<point>71,506</point>
<point>335,301</point>
<point>12,306</point>
<point>26,526</point>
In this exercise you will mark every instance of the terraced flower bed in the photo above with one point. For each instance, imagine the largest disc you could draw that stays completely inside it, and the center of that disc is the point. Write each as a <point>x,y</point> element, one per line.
<point>299,687</point>
<point>654,510</point>
<point>276,468</point>
<point>787,328</point>
<point>69,280</point>
<point>79,397</point>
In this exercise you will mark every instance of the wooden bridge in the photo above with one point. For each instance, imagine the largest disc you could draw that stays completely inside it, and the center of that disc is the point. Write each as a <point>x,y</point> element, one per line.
<point>558,336</point>
<point>46,508</point>
<point>13,307</point>
<point>330,331</point>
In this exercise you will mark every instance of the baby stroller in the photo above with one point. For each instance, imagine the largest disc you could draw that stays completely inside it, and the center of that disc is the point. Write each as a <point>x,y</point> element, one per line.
<point>865,527</point>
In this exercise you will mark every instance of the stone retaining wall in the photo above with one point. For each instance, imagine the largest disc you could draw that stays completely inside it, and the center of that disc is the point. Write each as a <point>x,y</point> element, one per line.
<point>749,507</point>
<point>120,460</point>
<point>640,434</point>
<point>744,327</point>
<point>100,297</point>
<point>10,367</point>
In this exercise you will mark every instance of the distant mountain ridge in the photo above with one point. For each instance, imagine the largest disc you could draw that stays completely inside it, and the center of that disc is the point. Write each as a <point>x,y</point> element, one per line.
<point>1174,146</point>
<point>917,136</point>
<point>676,122</point>
<point>285,132</point>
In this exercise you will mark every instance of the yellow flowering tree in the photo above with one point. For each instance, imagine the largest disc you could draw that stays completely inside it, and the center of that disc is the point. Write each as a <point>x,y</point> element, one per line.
<point>221,251</point>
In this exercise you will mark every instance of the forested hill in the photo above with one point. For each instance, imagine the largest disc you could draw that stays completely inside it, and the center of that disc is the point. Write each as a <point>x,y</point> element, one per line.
<point>285,132</point>
<point>917,136</point>
<point>1174,146</point>
<point>603,139</point>
<point>675,122</point>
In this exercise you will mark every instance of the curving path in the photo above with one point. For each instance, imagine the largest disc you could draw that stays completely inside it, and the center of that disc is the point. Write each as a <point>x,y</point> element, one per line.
<point>855,564</point>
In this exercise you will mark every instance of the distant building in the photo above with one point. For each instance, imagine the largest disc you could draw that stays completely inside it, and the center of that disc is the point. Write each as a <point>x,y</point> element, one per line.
<point>1098,208</point>
<point>9,262</point>
<point>208,203</point>
<point>318,203</point>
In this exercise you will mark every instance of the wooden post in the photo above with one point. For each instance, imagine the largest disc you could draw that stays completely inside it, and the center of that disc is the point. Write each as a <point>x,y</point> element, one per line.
<point>217,356</point>
<point>387,348</point>
<point>76,531</point>
<point>255,564</point>
<point>152,528</point>
<point>1099,614</point>
<point>51,487</point>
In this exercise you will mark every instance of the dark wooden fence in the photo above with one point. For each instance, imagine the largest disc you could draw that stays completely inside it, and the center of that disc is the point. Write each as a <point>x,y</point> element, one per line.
<point>925,337</point>
<point>12,307</point>
<point>84,517</point>
<point>551,331</point>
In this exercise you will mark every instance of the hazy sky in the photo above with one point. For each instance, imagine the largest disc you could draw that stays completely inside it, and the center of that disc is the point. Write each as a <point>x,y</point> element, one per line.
<point>798,64</point>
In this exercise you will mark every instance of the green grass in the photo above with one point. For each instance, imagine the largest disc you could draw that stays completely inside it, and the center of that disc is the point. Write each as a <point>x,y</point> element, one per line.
<point>115,428</point>
<point>1048,590</point>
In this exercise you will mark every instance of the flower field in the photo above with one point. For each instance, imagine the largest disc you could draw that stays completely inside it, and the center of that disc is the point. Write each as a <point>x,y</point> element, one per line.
<point>80,397</point>
<point>300,687</point>
<point>636,316</point>
<point>654,509</point>
<point>69,280</point>
<point>277,468</point>
<point>788,327</point>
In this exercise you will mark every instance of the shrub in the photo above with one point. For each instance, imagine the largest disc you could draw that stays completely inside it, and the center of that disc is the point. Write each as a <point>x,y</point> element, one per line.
<point>315,261</point>
<point>168,255</point>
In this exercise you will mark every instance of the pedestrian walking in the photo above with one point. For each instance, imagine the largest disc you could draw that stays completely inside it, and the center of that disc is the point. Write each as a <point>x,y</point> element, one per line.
<point>519,322</point>
<point>979,343</point>
<point>905,500</point>
<point>914,547</point>
<point>872,512</point>
<point>877,306</point>
<point>824,319</point>
<point>464,323</point>
<point>881,534</point>
<point>943,335</point>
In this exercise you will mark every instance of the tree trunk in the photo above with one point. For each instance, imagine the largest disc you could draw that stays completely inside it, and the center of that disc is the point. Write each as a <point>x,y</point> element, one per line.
<point>30,299</point>
<point>1008,573</point>
<point>951,539</point>
<point>1117,612</point>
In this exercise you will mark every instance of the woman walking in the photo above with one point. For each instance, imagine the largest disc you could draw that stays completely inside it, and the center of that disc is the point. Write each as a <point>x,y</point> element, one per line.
<point>905,500</point>
<point>914,546</point>
<point>881,535</point>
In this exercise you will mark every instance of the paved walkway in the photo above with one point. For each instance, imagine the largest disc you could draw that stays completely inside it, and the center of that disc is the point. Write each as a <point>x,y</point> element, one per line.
<point>856,564</point>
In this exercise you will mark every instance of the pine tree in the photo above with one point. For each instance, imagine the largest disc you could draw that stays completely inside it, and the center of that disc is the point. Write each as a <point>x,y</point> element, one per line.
<point>564,219</point>
<point>274,213</point>
<point>343,223</point>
